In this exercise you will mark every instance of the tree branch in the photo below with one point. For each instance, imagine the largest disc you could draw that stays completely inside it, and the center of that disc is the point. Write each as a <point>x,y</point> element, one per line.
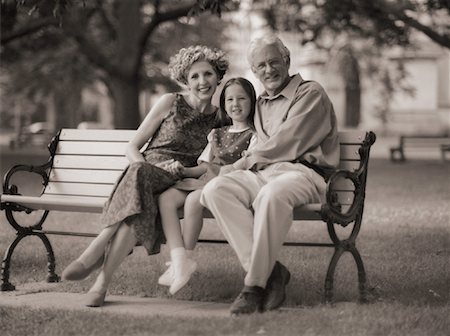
<point>157,20</point>
<point>28,29</point>
<point>76,28</point>
<point>442,39</point>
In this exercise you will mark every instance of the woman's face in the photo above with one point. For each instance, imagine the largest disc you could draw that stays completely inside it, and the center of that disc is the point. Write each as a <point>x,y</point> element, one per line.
<point>202,80</point>
<point>237,103</point>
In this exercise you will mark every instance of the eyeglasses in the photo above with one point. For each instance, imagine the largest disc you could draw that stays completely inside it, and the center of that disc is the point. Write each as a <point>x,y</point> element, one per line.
<point>275,63</point>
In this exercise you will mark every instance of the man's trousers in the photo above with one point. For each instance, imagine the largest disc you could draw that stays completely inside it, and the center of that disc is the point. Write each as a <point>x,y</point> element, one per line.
<point>254,211</point>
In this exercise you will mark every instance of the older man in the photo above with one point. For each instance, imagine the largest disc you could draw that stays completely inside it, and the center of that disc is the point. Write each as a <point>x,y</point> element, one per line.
<point>253,200</point>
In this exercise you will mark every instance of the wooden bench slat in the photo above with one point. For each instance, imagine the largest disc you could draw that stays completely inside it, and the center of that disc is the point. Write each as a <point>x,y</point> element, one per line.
<point>97,135</point>
<point>352,137</point>
<point>345,197</point>
<point>84,175</point>
<point>350,152</point>
<point>342,184</point>
<point>79,189</point>
<point>59,203</point>
<point>349,165</point>
<point>91,148</point>
<point>90,162</point>
<point>345,137</point>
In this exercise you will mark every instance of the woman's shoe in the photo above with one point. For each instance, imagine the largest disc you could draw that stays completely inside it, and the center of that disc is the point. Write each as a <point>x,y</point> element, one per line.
<point>95,299</point>
<point>182,274</point>
<point>166,278</point>
<point>77,271</point>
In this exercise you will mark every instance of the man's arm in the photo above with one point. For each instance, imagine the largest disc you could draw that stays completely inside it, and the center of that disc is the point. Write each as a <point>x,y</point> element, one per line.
<point>308,123</point>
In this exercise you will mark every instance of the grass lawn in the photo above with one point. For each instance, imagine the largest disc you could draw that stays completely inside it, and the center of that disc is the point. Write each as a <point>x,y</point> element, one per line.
<point>404,243</point>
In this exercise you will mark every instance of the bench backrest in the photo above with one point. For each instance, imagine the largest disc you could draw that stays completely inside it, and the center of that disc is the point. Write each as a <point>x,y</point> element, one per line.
<point>89,162</point>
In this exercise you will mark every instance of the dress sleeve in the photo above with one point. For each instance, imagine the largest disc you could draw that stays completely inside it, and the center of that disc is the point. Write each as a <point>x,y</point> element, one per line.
<point>206,155</point>
<point>253,141</point>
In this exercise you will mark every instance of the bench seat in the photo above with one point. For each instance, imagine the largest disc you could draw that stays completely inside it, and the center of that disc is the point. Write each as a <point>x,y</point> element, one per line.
<point>57,202</point>
<point>95,205</point>
<point>84,166</point>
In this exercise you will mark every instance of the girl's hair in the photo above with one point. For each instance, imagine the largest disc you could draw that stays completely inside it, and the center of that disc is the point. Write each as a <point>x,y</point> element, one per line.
<point>181,63</point>
<point>249,90</point>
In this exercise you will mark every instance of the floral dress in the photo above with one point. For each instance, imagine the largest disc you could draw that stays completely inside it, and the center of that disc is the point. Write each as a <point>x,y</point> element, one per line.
<point>226,147</point>
<point>181,136</point>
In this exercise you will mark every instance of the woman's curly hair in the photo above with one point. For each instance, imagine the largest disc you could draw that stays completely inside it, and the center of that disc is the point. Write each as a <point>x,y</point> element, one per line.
<point>180,64</point>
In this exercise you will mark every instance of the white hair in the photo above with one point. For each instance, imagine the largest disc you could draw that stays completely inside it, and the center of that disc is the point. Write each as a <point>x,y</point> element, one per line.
<point>264,41</point>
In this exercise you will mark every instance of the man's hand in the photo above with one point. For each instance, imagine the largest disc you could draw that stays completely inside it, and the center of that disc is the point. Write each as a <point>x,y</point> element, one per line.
<point>226,169</point>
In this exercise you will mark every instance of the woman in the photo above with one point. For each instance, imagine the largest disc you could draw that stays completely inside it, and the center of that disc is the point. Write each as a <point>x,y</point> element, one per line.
<point>177,125</point>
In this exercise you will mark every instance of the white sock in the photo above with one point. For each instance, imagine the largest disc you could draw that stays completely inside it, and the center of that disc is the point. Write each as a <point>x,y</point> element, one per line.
<point>178,254</point>
<point>190,253</point>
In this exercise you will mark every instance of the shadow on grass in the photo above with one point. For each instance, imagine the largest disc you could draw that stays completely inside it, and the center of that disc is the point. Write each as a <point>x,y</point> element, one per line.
<point>404,243</point>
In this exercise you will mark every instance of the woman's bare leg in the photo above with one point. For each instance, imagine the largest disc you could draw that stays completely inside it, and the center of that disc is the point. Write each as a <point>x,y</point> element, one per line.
<point>121,245</point>
<point>97,247</point>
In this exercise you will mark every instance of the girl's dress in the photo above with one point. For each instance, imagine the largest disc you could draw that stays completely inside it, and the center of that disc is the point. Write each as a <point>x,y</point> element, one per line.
<point>181,137</point>
<point>225,147</point>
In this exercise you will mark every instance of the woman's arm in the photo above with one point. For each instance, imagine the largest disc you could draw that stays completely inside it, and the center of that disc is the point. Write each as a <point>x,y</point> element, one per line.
<point>148,127</point>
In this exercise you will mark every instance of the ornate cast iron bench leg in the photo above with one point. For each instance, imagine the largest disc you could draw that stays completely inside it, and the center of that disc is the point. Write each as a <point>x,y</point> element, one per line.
<point>342,246</point>
<point>23,232</point>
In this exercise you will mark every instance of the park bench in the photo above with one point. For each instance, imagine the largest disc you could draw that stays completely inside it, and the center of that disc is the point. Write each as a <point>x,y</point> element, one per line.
<point>420,143</point>
<point>85,164</point>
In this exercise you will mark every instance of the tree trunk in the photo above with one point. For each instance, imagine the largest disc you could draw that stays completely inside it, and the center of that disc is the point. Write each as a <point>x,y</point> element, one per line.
<point>125,89</point>
<point>67,102</point>
<point>126,103</point>
<point>349,68</point>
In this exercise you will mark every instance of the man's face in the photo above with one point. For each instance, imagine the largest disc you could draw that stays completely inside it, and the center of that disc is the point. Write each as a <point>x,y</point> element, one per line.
<point>271,69</point>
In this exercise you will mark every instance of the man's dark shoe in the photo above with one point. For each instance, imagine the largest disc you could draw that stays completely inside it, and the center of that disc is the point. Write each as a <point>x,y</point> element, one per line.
<point>249,301</point>
<point>276,287</point>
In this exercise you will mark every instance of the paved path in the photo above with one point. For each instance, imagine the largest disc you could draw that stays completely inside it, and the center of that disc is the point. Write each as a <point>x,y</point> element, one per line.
<point>40,296</point>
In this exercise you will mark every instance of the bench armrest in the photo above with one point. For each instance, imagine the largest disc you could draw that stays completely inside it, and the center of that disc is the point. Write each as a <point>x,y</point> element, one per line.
<point>41,170</point>
<point>332,209</point>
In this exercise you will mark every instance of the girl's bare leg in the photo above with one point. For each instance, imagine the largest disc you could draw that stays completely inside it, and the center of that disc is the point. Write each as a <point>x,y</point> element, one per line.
<point>182,267</point>
<point>169,202</point>
<point>193,219</point>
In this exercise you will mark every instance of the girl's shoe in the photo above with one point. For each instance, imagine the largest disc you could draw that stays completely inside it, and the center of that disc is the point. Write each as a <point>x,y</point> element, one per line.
<point>166,278</point>
<point>95,299</point>
<point>182,274</point>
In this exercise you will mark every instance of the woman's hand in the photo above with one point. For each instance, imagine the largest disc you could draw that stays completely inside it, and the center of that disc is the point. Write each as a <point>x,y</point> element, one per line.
<point>176,168</point>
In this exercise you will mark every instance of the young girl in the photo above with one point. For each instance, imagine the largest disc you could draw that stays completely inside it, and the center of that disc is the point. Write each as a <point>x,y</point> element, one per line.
<point>225,146</point>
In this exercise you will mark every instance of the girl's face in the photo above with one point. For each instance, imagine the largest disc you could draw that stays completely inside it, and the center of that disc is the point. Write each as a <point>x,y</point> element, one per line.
<point>237,103</point>
<point>202,80</point>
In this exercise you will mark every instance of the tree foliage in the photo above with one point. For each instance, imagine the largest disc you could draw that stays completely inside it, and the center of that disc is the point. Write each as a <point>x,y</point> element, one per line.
<point>49,44</point>
<point>385,22</point>
<point>124,43</point>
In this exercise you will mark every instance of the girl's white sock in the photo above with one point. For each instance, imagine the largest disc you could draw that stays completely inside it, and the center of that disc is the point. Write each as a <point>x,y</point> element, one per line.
<point>189,253</point>
<point>178,254</point>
